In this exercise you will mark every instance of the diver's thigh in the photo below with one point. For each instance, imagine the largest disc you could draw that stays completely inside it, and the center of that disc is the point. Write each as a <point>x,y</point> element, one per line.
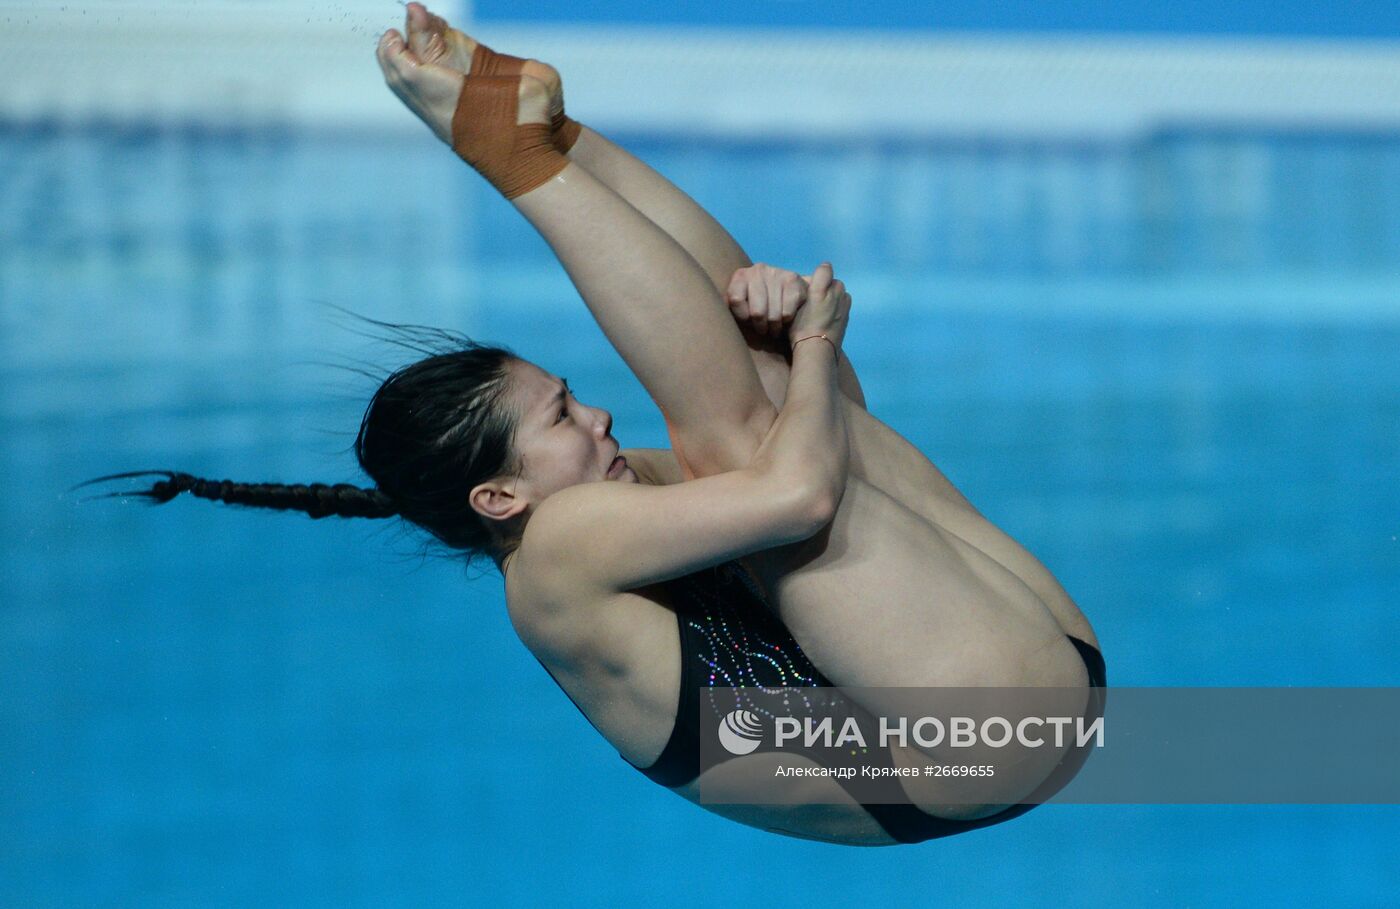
<point>885,598</point>
<point>886,460</point>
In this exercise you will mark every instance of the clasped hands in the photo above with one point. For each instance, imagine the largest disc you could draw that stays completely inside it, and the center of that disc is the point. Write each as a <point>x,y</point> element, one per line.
<point>765,300</point>
<point>770,303</point>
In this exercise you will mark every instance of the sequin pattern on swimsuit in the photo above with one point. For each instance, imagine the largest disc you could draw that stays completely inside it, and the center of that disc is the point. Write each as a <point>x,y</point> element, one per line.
<point>742,645</point>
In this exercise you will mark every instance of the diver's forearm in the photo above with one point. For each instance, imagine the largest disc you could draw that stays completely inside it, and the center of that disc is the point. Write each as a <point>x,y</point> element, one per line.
<point>808,443</point>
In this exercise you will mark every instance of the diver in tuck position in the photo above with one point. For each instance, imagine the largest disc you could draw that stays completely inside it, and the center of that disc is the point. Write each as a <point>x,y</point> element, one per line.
<point>789,538</point>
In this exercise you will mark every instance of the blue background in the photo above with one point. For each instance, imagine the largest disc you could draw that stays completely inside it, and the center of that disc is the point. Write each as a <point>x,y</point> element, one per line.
<point>1184,17</point>
<point>211,706</point>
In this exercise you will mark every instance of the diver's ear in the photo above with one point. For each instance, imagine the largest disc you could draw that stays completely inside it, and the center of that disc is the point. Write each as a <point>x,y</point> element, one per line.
<point>497,500</point>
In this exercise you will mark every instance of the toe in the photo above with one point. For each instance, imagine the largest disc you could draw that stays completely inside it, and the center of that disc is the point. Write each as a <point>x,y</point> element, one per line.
<point>416,27</point>
<point>448,45</point>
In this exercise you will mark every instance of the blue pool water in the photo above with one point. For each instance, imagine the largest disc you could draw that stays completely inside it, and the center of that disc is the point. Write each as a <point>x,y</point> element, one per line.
<point>209,706</point>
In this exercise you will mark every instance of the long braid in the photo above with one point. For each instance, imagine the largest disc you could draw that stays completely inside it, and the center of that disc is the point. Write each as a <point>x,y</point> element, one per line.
<point>316,499</point>
<point>433,431</point>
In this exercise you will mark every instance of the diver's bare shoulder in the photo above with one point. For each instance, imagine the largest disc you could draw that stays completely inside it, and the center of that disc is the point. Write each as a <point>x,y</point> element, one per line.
<point>545,594</point>
<point>552,603</point>
<point>615,653</point>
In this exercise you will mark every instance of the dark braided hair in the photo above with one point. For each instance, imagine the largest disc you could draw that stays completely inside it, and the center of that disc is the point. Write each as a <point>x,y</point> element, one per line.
<point>432,431</point>
<point>316,499</point>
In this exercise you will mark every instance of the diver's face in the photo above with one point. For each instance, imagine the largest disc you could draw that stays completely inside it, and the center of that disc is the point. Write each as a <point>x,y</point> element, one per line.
<point>560,442</point>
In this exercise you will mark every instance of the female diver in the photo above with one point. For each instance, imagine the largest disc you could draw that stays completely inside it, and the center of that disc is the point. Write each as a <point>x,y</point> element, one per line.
<point>862,565</point>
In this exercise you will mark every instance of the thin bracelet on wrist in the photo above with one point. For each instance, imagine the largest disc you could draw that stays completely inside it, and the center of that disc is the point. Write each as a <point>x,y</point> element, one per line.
<point>834,348</point>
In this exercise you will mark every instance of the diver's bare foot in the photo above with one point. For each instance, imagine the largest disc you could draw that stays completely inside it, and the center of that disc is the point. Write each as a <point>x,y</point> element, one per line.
<point>433,91</point>
<point>432,39</point>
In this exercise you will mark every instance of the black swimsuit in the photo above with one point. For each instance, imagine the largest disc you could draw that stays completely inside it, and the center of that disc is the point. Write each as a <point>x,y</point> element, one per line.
<point>730,638</point>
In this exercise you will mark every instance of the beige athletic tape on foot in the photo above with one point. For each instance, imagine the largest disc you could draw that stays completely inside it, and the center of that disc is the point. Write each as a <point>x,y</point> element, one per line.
<point>516,158</point>
<point>486,62</point>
